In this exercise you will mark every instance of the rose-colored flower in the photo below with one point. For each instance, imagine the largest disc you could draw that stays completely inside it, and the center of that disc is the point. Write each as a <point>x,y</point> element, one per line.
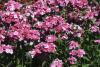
<point>12,5</point>
<point>79,3</point>
<point>73,52</point>
<point>64,37</point>
<point>51,38</point>
<point>46,47</point>
<point>73,45</point>
<point>56,63</point>
<point>33,34</point>
<point>6,48</point>
<point>2,38</point>
<point>80,52</point>
<point>90,15</point>
<point>94,28</point>
<point>32,53</point>
<point>72,60</point>
<point>97,41</point>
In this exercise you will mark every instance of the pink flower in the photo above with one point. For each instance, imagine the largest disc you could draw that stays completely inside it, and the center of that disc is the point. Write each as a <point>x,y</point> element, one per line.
<point>73,52</point>
<point>55,9</point>
<point>41,7</point>
<point>73,45</point>
<point>38,25</point>
<point>8,17</point>
<point>51,2</point>
<point>51,38</point>
<point>76,30</point>
<point>23,31</point>
<point>65,26</point>
<point>90,15</point>
<point>16,33</point>
<point>63,2</point>
<point>12,5</point>
<point>94,28</point>
<point>97,41</point>
<point>52,21</point>
<point>56,63</point>
<point>46,47</point>
<point>32,53</point>
<point>32,34</point>
<point>43,47</point>
<point>62,27</point>
<point>64,37</point>
<point>72,60</point>
<point>79,3</point>
<point>6,48</point>
<point>10,51</point>
<point>2,37</point>
<point>80,52</point>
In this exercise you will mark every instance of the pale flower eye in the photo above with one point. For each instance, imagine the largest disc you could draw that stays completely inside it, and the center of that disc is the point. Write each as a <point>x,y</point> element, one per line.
<point>49,37</point>
<point>16,33</point>
<point>46,46</point>
<point>12,7</point>
<point>9,51</point>
<point>15,16</point>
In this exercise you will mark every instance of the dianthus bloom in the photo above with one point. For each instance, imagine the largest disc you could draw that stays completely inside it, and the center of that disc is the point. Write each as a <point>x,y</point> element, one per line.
<point>76,30</point>
<point>80,52</point>
<point>33,34</point>
<point>79,3</point>
<point>56,63</point>
<point>94,28</point>
<point>2,37</point>
<point>72,60</point>
<point>12,5</point>
<point>46,47</point>
<point>22,31</point>
<point>6,48</point>
<point>52,21</point>
<point>43,47</point>
<point>51,38</point>
<point>90,15</point>
<point>73,45</point>
<point>73,52</point>
<point>97,41</point>
<point>32,53</point>
<point>9,17</point>
<point>41,8</point>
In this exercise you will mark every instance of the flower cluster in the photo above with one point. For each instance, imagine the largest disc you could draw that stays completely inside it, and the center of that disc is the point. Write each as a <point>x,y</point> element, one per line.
<point>57,63</point>
<point>21,31</point>
<point>43,47</point>
<point>55,28</point>
<point>6,48</point>
<point>12,5</point>
<point>75,52</point>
